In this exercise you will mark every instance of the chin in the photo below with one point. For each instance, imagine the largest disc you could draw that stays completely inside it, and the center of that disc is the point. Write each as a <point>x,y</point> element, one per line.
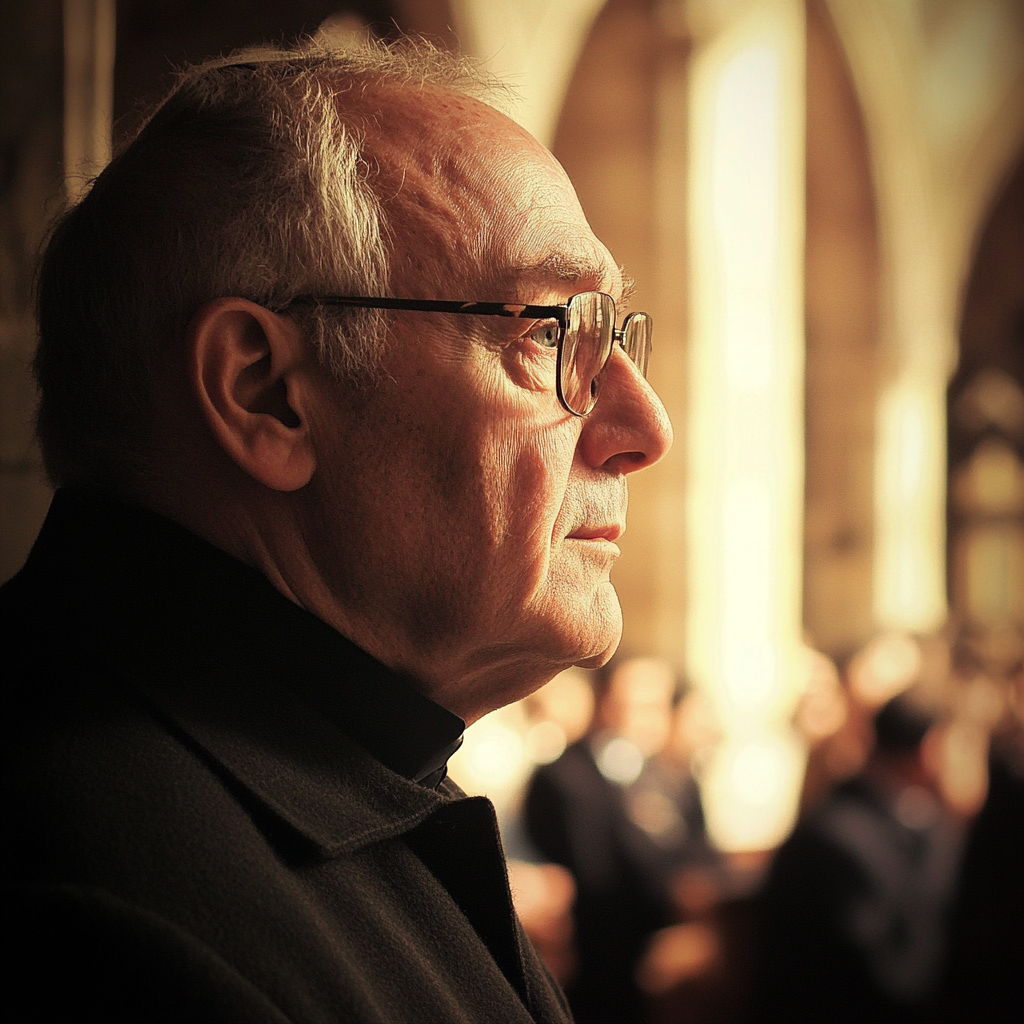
<point>598,660</point>
<point>606,630</point>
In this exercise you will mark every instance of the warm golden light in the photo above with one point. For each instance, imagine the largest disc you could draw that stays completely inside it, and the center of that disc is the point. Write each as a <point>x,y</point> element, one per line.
<point>910,520</point>
<point>752,789</point>
<point>494,759</point>
<point>746,411</point>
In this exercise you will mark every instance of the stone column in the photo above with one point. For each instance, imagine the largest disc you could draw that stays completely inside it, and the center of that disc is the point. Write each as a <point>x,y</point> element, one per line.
<point>745,424</point>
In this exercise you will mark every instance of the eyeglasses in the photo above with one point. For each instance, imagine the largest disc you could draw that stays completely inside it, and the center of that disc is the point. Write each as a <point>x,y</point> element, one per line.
<point>585,336</point>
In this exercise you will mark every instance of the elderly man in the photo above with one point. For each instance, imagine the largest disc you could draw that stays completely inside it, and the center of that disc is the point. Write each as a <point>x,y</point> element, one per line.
<point>333,390</point>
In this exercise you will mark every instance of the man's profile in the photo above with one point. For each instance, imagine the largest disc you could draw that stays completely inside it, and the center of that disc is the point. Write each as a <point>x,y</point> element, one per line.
<point>335,393</point>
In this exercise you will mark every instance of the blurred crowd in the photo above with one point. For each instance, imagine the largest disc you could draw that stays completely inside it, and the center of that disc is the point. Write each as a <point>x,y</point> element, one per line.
<point>897,896</point>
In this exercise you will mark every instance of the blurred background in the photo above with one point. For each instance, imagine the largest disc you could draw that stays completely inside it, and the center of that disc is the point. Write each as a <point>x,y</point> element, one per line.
<point>822,203</point>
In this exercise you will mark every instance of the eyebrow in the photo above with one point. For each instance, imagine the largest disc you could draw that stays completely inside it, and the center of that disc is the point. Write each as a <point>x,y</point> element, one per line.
<point>628,289</point>
<point>570,268</point>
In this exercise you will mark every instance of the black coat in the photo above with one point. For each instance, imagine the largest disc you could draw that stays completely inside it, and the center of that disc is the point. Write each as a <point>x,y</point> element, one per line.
<point>210,806</point>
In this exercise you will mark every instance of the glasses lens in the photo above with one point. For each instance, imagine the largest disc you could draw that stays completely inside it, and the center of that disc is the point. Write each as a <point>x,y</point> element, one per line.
<point>636,339</point>
<point>589,329</point>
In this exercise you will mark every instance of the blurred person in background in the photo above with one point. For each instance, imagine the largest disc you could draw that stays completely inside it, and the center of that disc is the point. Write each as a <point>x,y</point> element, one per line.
<point>985,973</point>
<point>559,714</point>
<point>835,713</point>
<point>835,734</point>
<point>665,800</point>
<point>623,818</point>
<point>854,911</point>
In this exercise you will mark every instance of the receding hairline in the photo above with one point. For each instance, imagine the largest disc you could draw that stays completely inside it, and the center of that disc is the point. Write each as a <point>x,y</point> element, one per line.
<point>416,69</point>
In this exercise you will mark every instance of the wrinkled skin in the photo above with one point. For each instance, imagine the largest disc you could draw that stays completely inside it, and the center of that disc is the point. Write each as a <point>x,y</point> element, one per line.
<point>470,521</point>
<point>452,518</point>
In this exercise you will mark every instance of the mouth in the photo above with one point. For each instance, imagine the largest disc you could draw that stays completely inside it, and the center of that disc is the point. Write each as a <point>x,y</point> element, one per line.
<point>610,532</point>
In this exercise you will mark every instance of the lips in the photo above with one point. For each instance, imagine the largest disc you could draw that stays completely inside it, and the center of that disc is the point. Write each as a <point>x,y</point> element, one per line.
<point>611,532</point>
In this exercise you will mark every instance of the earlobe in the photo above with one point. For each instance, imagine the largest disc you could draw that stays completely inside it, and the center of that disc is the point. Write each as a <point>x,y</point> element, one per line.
<point>249,371</point>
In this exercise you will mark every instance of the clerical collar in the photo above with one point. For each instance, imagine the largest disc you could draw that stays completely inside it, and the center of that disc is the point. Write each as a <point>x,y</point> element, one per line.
<point>170,588</point>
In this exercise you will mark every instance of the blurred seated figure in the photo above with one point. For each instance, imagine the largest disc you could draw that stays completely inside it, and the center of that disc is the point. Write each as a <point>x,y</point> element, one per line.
<point>854,909</point>
<point>622,820</point>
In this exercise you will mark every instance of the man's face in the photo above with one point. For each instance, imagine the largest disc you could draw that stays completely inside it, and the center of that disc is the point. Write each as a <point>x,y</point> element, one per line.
<point>470,520</point>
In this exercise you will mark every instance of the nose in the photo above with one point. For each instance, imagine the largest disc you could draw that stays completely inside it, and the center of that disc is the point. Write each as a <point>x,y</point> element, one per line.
<point>629,428</point>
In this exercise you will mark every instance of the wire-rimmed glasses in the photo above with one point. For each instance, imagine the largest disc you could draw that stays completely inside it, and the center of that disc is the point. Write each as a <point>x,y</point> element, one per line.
<point>584,338</point>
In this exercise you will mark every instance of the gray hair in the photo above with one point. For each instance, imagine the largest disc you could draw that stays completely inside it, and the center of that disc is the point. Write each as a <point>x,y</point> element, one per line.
<point>248,180</point>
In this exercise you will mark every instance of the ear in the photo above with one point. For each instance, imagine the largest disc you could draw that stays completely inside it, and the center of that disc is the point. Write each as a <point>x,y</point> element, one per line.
<point>250,370</point>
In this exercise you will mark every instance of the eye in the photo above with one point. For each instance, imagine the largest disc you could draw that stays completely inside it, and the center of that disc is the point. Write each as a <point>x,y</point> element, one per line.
<point>546,335</point>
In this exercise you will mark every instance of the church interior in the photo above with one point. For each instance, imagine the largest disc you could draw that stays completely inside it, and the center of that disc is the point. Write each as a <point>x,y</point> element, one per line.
<point>822,205</point>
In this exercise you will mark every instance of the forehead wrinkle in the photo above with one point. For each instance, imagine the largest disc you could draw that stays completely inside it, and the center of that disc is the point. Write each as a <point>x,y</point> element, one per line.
<point>443,218</point>
<point>438,179</point>
<point>428,169</point>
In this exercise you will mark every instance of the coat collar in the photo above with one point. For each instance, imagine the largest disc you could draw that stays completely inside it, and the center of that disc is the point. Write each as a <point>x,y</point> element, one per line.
<point>326,737</point>
<point>297,763</point>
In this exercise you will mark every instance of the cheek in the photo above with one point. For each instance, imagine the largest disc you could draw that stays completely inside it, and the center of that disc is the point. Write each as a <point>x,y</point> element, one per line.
<point>527,483</point>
